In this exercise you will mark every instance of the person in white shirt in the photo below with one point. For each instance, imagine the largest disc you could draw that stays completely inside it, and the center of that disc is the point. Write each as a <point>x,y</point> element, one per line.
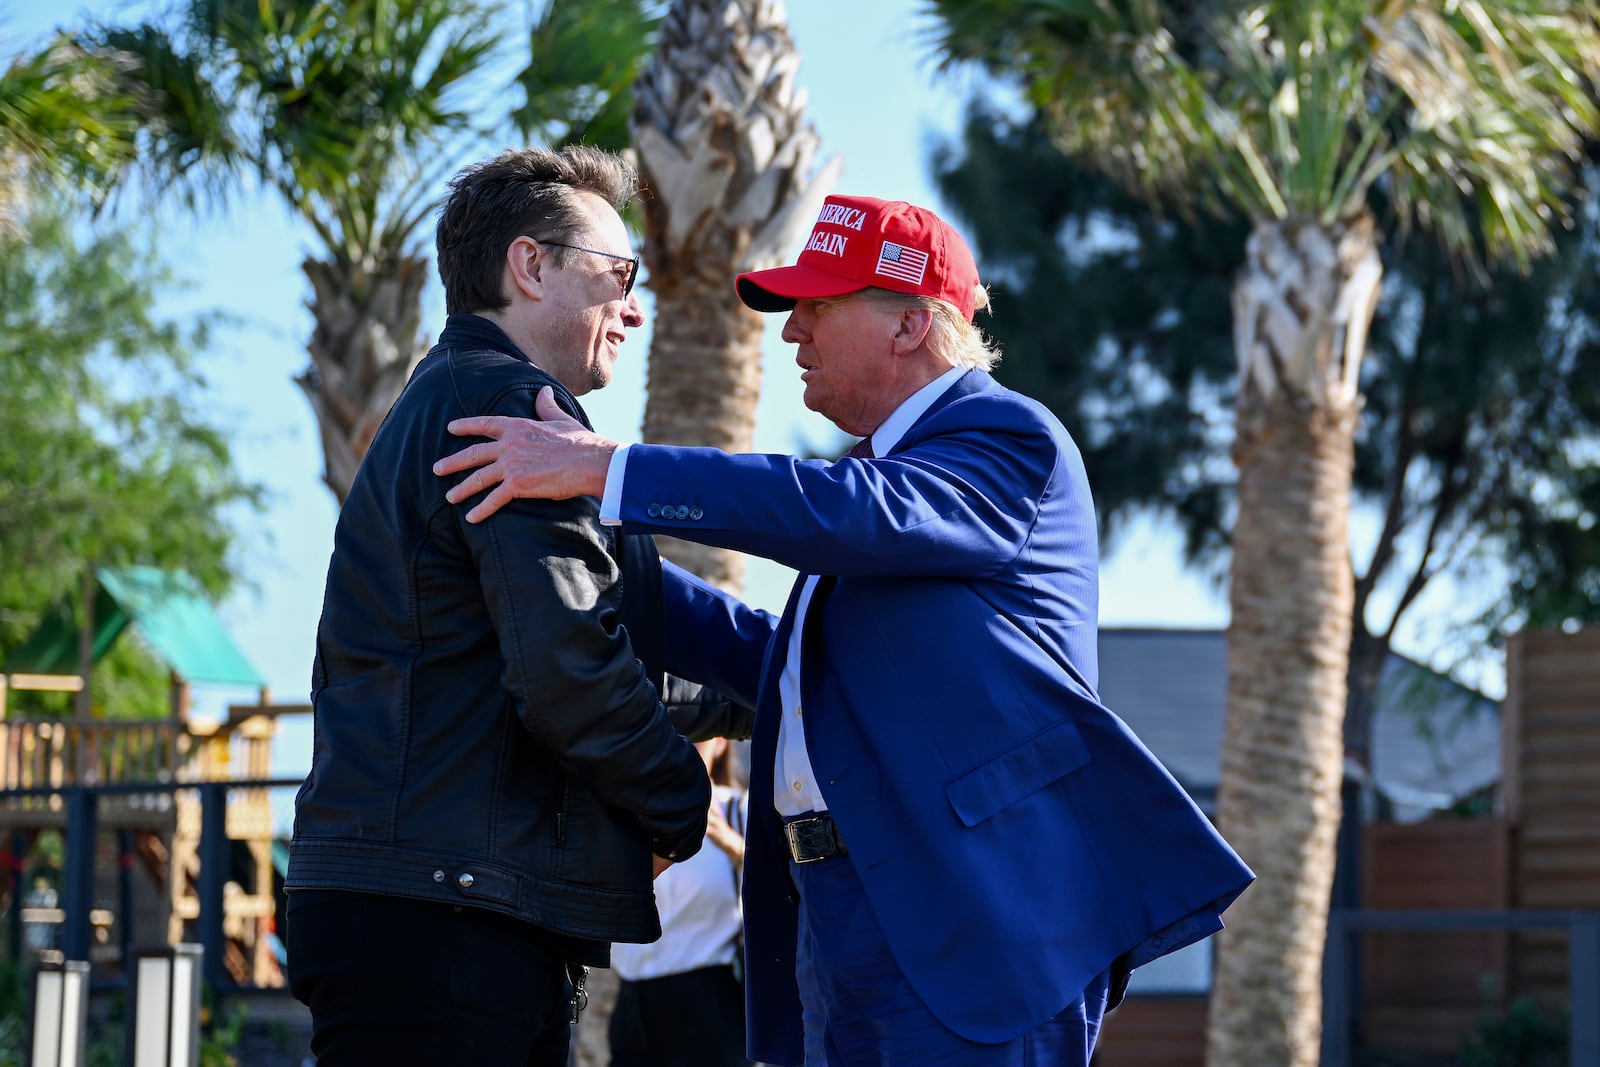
<point>681,999</point>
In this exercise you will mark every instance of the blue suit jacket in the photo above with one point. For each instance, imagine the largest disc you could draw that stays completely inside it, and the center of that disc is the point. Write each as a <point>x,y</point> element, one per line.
<point>1013,836</point>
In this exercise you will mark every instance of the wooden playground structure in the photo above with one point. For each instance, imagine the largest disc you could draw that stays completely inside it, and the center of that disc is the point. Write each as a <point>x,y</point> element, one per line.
<point>142,779</point>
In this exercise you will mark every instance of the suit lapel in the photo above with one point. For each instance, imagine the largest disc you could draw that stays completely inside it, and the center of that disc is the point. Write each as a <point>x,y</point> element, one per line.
<point>974,381</point>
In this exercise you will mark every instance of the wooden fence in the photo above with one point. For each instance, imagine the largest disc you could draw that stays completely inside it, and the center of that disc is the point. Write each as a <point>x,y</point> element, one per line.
<point>1552,792</point>
<point>1424,991</point>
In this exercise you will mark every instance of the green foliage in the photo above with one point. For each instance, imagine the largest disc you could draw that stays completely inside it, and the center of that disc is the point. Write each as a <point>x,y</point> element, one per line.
<point>49,852</point>
<point>106,455</point>
<point>13,1039</point>
<point>1481,423</point>
<point>220,1031</point>
<point>1526,1036</point>
<point>583,58</point>
<point>1465,117</point>
<point>128,682</point>
<point>62,116</point>
<point>13,990</point>
<point>343,106</point>
<point>354,109</point>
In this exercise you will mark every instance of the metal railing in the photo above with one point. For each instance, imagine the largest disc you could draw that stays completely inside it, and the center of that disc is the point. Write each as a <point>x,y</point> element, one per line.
<point>81,803</point>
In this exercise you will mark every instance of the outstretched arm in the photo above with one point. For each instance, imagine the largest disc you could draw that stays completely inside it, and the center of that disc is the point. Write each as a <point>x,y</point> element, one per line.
<point>958,498</point>
<point>555,458</point>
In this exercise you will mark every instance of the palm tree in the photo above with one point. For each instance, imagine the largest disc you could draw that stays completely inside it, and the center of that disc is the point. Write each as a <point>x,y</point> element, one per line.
<point>354,111</point>
<point>726,158</point>
<point>1314,119</point>
<point>64,122</point>
<point>344,107</point>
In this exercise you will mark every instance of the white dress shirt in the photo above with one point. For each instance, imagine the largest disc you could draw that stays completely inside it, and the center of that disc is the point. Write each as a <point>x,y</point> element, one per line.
<point>699,904</point>
<point>794,786</point>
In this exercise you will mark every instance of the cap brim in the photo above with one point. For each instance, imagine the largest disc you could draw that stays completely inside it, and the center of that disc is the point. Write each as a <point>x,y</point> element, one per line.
<point>778,289</point>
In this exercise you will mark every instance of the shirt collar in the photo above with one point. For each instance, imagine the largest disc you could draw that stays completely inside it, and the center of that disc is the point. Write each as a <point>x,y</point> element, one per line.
<point>886,436</point>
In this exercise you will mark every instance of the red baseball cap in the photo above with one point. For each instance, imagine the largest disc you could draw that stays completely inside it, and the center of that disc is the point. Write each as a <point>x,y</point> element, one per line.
<point>860,242</point>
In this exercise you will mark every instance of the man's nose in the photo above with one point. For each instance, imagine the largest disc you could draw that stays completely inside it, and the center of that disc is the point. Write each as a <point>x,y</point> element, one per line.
<point>793,332</point>
<point>632,313</point>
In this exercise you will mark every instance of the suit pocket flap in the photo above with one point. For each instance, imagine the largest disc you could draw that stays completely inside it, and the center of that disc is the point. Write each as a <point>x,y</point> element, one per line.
<point>1019,771</point>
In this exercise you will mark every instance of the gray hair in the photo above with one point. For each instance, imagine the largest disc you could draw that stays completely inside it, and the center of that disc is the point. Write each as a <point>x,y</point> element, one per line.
<point>950,337</point>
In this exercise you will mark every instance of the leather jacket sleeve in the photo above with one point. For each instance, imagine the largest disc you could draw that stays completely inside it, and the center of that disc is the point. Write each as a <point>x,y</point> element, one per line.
<point>552,586</point>
<point>700,712</point>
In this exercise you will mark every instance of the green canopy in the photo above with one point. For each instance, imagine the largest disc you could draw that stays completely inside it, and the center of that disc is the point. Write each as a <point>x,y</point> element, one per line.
<point>172,614</point>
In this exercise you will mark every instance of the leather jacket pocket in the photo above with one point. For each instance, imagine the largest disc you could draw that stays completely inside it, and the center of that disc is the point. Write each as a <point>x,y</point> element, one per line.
<point>597,846</point>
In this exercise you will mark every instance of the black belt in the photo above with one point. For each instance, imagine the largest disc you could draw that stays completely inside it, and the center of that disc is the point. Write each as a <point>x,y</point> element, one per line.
<point>813,837</point>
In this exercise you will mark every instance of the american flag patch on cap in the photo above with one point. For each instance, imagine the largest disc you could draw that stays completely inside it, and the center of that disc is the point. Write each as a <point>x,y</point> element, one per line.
<point>898,261</point>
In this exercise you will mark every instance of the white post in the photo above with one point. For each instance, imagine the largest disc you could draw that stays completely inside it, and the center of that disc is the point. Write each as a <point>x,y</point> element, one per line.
<point>166,1012</point>
<point>185,1006</point>
<point>60,1014</point>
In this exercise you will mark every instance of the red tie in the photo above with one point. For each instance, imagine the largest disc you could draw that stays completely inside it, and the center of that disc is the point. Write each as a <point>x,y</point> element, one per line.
<point>862,449</point>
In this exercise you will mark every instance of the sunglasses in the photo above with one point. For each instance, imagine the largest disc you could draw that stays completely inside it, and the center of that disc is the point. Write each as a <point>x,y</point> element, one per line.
<point>633,269</point>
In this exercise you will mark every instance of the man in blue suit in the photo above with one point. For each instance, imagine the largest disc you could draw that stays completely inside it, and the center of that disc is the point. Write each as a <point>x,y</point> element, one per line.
<point>956,854</point>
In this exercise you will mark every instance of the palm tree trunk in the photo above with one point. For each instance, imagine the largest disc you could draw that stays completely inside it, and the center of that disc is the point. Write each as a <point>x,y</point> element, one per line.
<point>1302,307</point>
<point>366,341</point>
<point>698,326</point>
<point>726,160</point>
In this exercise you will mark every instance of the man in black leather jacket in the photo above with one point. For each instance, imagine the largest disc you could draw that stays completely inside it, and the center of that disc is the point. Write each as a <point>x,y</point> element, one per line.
<point>495,781</point>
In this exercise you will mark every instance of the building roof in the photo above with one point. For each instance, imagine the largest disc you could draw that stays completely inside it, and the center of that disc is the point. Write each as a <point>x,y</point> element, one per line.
<point>1434,740</point>
<point>172,614</point>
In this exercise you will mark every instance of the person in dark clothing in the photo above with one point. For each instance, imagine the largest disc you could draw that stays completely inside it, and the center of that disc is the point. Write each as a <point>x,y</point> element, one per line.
<point>495,780</point>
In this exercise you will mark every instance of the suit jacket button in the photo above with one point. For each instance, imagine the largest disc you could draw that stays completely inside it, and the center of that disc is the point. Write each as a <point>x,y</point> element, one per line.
<point>654,510</point>
<point>695,513</point>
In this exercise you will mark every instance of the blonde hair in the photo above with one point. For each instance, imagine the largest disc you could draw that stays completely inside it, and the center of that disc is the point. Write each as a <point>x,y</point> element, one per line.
<point>950,337</point>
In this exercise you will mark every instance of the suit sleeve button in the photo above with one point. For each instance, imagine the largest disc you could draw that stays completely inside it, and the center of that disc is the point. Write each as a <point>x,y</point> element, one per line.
<point>695,513</point>
<point>654,510</point>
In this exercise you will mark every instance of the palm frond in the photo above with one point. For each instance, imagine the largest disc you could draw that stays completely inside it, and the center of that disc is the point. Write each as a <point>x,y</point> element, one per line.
<point>66,117</point>
<point>1119,85</point>
<point>1498,101</point>
<point>1470,113</point>
<point>188,145</point>
<point>347,93</point>
<point>583,56</point>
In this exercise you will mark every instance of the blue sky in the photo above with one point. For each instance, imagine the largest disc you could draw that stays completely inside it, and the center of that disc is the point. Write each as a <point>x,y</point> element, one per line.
<point>874,98</point>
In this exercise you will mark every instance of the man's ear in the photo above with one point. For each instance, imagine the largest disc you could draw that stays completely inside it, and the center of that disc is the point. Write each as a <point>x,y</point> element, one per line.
<point>526,262</point>
<point>911,330</point>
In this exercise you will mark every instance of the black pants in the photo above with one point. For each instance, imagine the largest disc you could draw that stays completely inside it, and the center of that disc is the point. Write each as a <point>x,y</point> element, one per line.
<point>695,1019</point>
<point>392,981</point>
